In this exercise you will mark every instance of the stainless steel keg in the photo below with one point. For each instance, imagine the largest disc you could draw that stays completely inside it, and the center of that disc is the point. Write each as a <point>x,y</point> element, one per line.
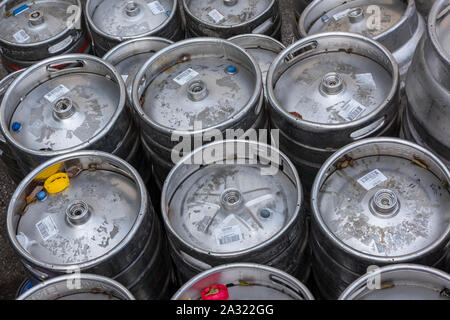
<point>428,86</point>
<point>78,287</point>
<point>113,21</point>
<point>400,282</point>
<point>64,104</point>
<point>228,18</point>
<point>396,24</point>
<point>89,212</point>
<point>6,154</point>
<point>246,281</point>
<point>377,202</point>
<point>235,201</point>
<point>328,90</point>
<point>190,88</point>
<point>31,31</point>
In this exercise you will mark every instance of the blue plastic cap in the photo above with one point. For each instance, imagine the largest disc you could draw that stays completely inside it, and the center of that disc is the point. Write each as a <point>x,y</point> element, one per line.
<point>41,195</point>
<point>325,18</point>
<point>168,13</point>
<point>16,126</point>
<point>231,69</point>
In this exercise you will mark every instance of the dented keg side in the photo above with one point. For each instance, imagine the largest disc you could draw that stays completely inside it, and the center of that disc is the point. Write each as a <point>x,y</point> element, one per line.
<point>246,281</point>
<point>78,287</point>
<point>397,25</point>
<point>80,105</point>
<point>427,84</point>
<point>228,18</point>
<point>35,31</point>
<point>112,22</point>
<point>378,195</point>
<point>400,282</point>
<point>246,198</point>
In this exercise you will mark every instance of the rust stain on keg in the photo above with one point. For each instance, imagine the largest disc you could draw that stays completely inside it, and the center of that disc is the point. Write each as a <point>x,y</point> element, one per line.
<point>419,162</point>
<point>387,286</point>
<point>296,114</point>
<point>344,162</point>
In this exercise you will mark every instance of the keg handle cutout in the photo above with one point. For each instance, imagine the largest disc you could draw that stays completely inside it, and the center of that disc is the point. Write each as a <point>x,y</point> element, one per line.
<point>369,130</point>
<point>285,283</point>
<point>297,53</point>
<point>67,64</point>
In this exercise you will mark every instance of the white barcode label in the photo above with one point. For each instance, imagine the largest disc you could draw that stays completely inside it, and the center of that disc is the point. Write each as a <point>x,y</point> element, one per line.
<point>156,7</point>
<point>340,15</point>
<point>372,179</point>
<point>124,77</point>
<point>185,76</point>
<point>21,36</point>
<point>352,110</point>
<point>366,79</point>
<point>228,235</point>
<point>216,15</point>
<point>47,228</point>
<point>56,93</point>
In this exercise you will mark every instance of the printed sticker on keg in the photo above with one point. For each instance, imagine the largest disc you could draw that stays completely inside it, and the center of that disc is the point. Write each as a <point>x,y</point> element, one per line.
<point>366,79</point>
<point>47,228</point>
<point>56,93</point>
<point>340,15</point>
<point>216,15</point>
<point>228,235</point>
<point>351,110</point>
<point>21,36</point>
<point>156,7</point>
<point>185,76</point>
<point>372,179</point>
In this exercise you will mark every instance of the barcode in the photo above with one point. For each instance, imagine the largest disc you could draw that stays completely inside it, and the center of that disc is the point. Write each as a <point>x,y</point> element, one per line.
<point>216,15</point>
<point>46,228</point>
<point>56,93</point>
<point>21,36</point>
<point>156,7</point>
<point>185,76</point>
<point>372,179</point>
<point>352,110</point>
<point>43,229</point>
<point>355,113</point>
<point>228,235</point>
<point>229,239</point>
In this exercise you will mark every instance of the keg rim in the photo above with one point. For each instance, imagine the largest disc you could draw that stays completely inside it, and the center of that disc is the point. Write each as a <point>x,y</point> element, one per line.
<point>411,6</point>
<point>352,289</point>
<point>432,33</point>
<point>307,295</point>
<point>123,46</point>
<point>317,216</point>
<point>323,127</point>
<point>61,59</point>
<point>116,286</point>
<point>295,215</point>
<point>254,36</point>
<point>255,99</point>
<point>188,13</point>
<point>50,40</point>
<point>94,27</point>
<point>125,166</point>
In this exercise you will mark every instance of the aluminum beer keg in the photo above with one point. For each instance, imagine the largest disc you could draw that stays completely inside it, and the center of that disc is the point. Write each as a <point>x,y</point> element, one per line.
<point>400,282</point>
<point>396,24</point>
<point>31,31</point>
<point>89,212</point>
<point>329,90</point>
<point>49,111</point>
<point>78,287</point>
<point>246,281</point>
<point>228,18</point>
<point>113,21</point>
<point>241,202</point>
<point>377,202</point>
<point>190,88</point>
<point>427,117</point>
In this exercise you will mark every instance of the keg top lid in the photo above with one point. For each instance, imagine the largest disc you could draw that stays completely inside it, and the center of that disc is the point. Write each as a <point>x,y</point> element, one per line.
<point>369,18</point>
<point>84,221</point>
<point>383,198</point>
<point>33,22</point>
<point>442,25</point>
<point>343,80</point>
<point>231,205</point>
<point>63,111</point>
<point>197,84</point>
<point>118,18</point>
<point>400,282</point>
<point>227,12</point>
